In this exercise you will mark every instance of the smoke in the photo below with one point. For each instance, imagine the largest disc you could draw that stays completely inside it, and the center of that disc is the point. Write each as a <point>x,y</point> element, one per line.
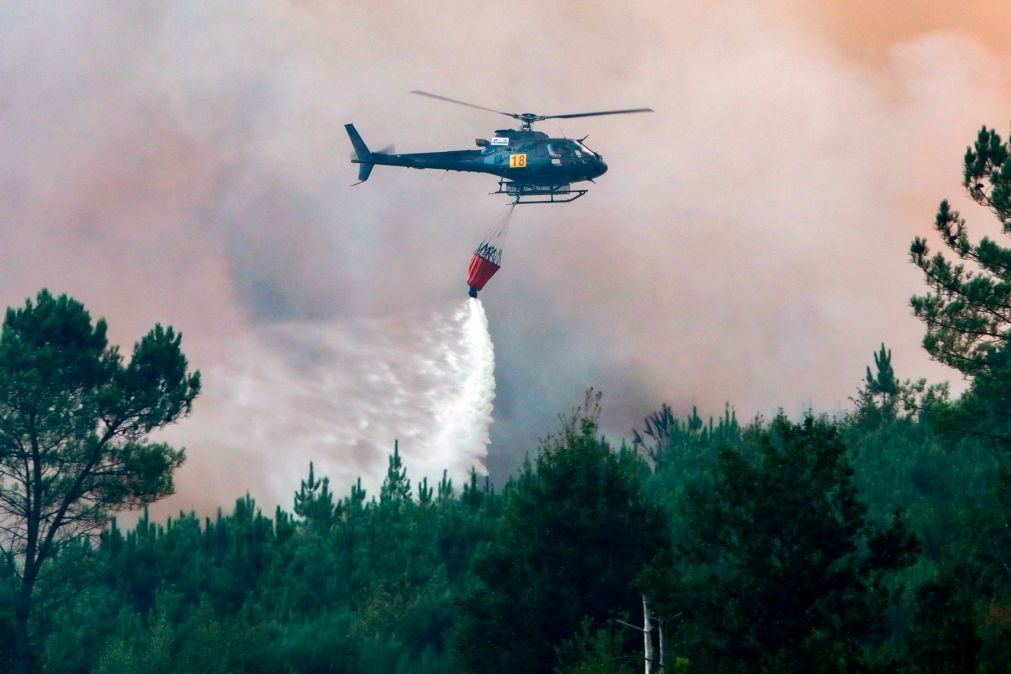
<point>186,163</point>
<point>280,389</point>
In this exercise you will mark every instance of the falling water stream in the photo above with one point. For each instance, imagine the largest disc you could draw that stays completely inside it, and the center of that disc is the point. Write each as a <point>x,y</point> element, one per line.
<point>338,394</point>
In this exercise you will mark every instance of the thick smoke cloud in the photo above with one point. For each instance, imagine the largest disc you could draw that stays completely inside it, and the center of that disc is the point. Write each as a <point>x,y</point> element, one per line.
<point>185,163</point>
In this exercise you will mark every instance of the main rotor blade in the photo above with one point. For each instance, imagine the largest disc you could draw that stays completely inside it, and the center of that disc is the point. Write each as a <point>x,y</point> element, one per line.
<point>594,114</point>
<point>469,105</point>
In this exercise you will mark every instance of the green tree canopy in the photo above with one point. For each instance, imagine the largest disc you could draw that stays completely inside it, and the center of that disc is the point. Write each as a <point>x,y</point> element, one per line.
<point>73,425</point>
<point>967,309</point>
<point>314,501</point>
<point>782,571</point>
<point>967,313</point>
<point>575,533</point>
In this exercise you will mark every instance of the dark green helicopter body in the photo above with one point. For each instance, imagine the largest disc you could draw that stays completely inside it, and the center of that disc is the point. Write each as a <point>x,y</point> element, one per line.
<point>529,164</point>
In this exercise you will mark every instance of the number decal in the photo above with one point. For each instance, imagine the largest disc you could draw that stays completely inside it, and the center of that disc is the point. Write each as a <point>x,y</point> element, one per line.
<point>518,160</point>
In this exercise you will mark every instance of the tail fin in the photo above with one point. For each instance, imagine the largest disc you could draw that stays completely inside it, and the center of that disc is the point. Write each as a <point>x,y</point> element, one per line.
<point>362,151</point>
<point>363,171</point>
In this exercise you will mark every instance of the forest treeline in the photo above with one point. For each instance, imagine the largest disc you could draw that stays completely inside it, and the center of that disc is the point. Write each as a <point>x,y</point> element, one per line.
<point>867,543</point>
<point>878,541</point>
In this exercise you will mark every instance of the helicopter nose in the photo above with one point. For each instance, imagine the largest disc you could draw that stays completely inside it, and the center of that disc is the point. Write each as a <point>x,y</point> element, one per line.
<point>601,166</point>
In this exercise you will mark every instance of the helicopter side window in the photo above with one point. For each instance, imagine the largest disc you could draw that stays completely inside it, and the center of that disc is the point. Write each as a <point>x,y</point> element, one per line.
<point>553,151</point>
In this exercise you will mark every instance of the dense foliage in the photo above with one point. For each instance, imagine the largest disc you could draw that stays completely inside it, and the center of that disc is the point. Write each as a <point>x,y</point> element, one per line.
<point>549,571</point>
<point>782,571</point>
<point>779,538</point>
<point>779,550</point>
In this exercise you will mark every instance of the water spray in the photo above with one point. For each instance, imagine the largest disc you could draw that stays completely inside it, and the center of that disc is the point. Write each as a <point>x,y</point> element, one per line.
<point>465,416</point>
<point>338,394</point>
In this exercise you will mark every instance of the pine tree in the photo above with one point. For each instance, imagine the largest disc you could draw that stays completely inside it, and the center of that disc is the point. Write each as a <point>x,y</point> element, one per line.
<point>74,421</point>
<point>883,382</point>
<point>967,312</point>
<point>314,502</point>
<point>424,493</point>
<point>967,309</point>
<point>355,502</point>
<point>575,533</point>
<point>445,492</point>
<point>877,402</point>
<point>473,495</point>
<point>396,487</point>
<point>782,571</point>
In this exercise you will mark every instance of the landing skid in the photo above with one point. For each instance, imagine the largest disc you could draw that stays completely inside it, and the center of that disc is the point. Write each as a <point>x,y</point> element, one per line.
<point>526,194</point>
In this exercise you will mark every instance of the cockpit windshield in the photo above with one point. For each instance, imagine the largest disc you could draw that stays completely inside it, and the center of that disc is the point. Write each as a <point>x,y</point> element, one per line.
<point>568,148</point>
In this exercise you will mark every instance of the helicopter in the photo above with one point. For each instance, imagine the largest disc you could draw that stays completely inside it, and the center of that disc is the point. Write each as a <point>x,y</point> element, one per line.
<point>532,168</point>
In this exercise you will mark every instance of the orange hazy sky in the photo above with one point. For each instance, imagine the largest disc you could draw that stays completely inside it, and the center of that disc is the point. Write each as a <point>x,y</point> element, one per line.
<point>867,29</point>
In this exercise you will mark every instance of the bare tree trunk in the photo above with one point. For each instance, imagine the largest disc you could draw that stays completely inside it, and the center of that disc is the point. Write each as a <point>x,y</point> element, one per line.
<point>663,662</point>
<point>22,640</point>
<point>647,636</point>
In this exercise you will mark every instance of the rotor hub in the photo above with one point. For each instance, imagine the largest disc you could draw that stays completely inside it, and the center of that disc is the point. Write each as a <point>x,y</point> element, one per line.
<point>528,118</point>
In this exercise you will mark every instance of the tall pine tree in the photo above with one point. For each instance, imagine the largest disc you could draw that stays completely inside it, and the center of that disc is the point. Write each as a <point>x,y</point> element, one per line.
<point>575,533</point>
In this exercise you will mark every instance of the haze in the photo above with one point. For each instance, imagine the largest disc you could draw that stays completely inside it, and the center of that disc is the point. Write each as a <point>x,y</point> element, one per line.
<point>186,163</point>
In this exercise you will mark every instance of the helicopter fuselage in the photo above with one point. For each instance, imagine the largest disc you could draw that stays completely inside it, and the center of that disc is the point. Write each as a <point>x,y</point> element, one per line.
<point>522,157</point>
<point>531,167</point>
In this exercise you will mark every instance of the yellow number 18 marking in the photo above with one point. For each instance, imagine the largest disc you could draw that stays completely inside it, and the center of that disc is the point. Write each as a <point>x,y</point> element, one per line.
<point>518,160</point>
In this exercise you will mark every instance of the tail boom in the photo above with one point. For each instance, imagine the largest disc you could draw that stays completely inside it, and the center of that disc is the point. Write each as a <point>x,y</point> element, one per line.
<point>452,160</point>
